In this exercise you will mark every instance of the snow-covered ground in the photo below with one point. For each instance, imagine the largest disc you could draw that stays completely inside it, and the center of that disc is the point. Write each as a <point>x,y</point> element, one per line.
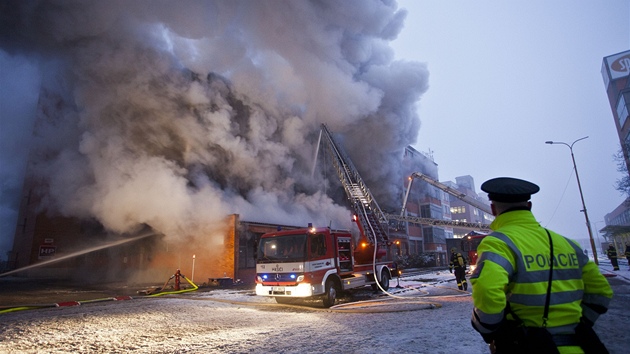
<point>427,315</point>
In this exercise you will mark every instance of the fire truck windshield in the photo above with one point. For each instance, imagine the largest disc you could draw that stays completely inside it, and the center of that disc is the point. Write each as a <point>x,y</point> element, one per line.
<point>289,248</point>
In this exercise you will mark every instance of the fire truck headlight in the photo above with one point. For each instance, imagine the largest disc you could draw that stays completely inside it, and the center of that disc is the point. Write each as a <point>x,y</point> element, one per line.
<point>300,278</point>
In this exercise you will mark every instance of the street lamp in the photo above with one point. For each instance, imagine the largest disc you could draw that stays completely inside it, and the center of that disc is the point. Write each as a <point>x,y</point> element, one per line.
<point>192,277</point>
<point>588,224</point>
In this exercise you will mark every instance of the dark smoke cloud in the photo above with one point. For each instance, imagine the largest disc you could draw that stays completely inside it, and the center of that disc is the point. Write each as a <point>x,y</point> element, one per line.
<point>177,113</point>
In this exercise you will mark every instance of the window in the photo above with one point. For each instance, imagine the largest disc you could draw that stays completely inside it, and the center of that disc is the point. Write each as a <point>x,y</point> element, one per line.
<point>247,249</point>
<point>433,235</point>
<point>286,248</point>
<point>318,245</point>
<point>622,108</point>
<point>458,209</point>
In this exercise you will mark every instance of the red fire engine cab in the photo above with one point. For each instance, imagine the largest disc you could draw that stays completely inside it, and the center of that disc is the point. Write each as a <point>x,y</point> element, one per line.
<point>469,245</point>
<point>315,262</point>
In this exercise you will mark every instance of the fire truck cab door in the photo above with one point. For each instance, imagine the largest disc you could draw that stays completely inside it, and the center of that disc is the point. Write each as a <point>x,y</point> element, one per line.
<point>318,247</point>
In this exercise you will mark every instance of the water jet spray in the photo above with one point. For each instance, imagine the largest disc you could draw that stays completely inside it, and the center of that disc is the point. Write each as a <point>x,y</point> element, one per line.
<point>79,253</point>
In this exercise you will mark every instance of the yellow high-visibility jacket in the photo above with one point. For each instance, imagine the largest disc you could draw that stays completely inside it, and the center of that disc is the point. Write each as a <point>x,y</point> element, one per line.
<point>513,265</point>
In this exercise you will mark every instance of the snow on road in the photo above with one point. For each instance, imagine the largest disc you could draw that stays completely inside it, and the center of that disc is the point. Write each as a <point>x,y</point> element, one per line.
<point>432,317</point>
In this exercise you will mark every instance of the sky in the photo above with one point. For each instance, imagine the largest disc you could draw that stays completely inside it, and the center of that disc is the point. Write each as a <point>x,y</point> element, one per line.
<point>174,116</point>
<point>506,76</point>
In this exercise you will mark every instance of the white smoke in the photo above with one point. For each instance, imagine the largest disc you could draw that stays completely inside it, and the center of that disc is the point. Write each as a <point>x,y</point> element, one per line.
<point>177,113</point>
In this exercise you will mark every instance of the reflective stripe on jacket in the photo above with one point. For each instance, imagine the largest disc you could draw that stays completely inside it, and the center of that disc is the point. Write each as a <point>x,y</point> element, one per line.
<point>457,261</point>
<point>513,265</point>
<point>612,253</point>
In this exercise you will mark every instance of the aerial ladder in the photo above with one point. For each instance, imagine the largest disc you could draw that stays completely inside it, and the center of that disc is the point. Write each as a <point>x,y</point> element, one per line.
<point>369,216</point>
<point>371,220</point>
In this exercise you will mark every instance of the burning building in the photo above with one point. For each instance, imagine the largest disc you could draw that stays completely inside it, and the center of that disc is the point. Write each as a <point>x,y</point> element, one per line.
<point>174,117</point>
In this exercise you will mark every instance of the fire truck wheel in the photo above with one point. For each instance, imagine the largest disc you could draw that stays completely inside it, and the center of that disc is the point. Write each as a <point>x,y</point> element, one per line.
<point>384,282</point>
<point>331,293</point>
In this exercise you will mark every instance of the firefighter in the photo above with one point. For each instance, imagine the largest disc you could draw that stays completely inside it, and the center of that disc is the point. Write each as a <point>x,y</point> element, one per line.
<point>612,255</point>
<point>628,254</point>
<point>459,264</point>
<point>523,302</point>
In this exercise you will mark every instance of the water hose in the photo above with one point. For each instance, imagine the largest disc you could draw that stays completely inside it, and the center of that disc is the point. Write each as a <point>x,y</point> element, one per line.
<point>117,298</point>
<point>194,287</point>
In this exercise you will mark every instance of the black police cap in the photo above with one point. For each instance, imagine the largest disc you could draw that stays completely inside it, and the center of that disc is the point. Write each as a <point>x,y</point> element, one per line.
<point>509,190</point>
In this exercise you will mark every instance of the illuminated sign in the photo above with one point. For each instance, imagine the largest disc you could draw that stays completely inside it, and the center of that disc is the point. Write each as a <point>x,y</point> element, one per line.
<point>616,66</point>
<point>46,251</point>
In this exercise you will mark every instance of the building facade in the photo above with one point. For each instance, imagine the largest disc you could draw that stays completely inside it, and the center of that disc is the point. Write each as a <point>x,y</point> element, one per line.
<point>424,201</point>
<point>615,73</point>
<point>464,212</point>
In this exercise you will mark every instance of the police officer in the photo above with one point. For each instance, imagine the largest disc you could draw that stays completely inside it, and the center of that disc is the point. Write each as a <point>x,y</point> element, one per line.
<point>523,301</point>
<point>612,255</point>
<point>459,264</point>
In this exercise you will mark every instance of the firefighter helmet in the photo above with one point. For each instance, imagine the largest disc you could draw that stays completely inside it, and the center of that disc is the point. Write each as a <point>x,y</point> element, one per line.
<point>453,250</point>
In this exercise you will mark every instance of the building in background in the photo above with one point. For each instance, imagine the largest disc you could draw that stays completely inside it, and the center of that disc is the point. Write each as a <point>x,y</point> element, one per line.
<point>617,230</point>
<point>462,211</point>
<point>615,72</point>
<point>424,201</point>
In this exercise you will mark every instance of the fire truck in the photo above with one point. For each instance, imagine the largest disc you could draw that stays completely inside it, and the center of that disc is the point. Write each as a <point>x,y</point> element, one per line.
<point>326,261</point>
<point>321,262</point>
<point>317,261</point>
<point>469,245</point>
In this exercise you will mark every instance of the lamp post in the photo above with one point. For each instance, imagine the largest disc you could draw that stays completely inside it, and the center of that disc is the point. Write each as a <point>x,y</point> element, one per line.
<point>192,277</point>
<point>588,223</point>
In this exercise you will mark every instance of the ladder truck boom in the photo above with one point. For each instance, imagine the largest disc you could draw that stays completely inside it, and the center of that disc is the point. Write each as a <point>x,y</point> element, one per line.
<point>439,222</point>
<point>452,191</point>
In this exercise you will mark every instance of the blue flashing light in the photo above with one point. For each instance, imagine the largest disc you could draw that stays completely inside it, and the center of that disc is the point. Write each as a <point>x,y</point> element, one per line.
<point>292,276</point>
<point>264,276</point>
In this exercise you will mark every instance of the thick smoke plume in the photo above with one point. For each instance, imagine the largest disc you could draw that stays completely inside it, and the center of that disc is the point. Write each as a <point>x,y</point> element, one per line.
<point>175,114</point>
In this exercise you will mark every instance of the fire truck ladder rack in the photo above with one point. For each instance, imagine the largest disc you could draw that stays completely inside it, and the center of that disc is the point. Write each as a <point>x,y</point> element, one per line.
<point>370,216</point>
